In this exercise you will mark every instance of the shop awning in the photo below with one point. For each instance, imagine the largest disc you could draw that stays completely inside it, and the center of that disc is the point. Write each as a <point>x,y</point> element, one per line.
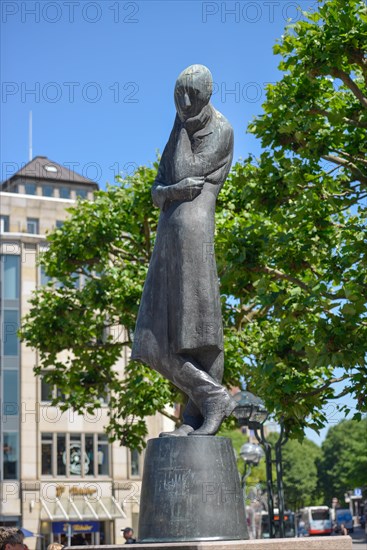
<point>81,508</point>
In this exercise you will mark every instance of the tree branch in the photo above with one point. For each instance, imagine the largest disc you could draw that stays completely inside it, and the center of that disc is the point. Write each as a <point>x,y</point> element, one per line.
<point>172,417</point>
<point>328,115</point>
<point>327,384</point>
<point>341,394</point>
<point>81,270</point>
<point>358,57</point>
<point>349,82</point>
<point>121,253</point>
<point>245,312</point>
<point>280,275</point>
<point>348,164</point>
<point>359,159</point>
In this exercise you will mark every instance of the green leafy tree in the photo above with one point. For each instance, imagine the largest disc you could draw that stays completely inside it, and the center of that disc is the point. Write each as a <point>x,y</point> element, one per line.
<point>343,466</point>
<point>300,474</point>
<point>292,228</point>
<point>291,231</point>
<point>257,476</point>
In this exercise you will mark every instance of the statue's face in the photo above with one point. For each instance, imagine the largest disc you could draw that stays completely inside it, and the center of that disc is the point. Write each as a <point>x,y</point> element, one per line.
<point>192,91</point>
<point>187,102</point>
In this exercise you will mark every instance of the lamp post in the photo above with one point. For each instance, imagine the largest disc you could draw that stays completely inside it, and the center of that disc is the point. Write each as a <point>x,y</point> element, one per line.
<point>251,455</point>
<point>282,439</point>
<point>251,412</point>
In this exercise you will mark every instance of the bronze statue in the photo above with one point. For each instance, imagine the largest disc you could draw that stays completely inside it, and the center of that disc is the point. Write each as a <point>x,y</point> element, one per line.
<point>179,327</point>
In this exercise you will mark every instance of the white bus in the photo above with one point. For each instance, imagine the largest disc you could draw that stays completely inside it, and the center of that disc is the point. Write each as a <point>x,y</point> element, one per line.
<point>317,520</point>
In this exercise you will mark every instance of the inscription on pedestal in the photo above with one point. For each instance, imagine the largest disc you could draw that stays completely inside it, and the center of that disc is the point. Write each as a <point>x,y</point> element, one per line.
<point>191,491</point>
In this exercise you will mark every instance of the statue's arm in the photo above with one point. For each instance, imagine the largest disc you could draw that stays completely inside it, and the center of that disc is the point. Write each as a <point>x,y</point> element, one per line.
<point>186,189</point>
<point>213,159</point>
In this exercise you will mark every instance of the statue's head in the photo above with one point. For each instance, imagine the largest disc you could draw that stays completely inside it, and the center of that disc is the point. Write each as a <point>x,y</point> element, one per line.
<point>193,90</point>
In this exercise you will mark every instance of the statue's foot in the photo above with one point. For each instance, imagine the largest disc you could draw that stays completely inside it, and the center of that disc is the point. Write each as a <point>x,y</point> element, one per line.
<point>181,431</point>
<point>216,409</point>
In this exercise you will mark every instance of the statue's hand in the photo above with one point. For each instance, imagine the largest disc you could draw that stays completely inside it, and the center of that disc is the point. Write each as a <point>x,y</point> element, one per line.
<point>185,190</point>
<point>159,196</point>
<point>189,188</point>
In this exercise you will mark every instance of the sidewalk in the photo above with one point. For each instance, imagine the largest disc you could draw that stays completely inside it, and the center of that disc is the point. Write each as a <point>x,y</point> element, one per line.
<point>359,539</point>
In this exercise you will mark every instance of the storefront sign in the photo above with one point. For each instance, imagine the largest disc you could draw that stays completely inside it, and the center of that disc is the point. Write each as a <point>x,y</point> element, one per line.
<point>76,490</point>
<point>59,527</point>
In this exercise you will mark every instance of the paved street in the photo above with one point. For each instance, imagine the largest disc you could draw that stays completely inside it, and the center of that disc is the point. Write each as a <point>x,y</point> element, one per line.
<point>359,539</point>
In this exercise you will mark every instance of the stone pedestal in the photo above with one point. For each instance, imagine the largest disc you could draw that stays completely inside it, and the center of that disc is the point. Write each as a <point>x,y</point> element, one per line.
<point>191,491</point>
<point>307,543</point>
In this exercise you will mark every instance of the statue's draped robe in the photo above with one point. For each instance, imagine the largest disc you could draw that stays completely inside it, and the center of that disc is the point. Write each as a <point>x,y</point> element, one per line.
<point>180,308</point>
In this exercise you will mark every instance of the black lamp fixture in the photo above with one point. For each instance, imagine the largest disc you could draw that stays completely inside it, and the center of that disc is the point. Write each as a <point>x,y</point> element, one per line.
<point>251,412</point>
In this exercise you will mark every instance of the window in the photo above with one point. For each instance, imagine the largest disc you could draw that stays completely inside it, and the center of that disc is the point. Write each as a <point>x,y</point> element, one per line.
<point>46,454</point>
<point>64,193</point>
<point>61,455</point>
<point>320,515</point>
<point>10,393</point>
<point>81,193</point>
<point>89,455</point>
<point>4,224</point>
<point>11,277</point>
<point>11,455</point>
<point>49,391</point>
<point>134,463</point>
<point>33,225</point>
<point>10,328</point>
<point>47,191</point>
<point>46,390</point>
<point>30,188</point>
<point>74,454</point>
<point>103,455</point>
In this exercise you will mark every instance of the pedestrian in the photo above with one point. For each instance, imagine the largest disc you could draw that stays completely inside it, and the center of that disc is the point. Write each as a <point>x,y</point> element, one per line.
<point>343,529</point>
<point>301,528</point>
<point>128,533</point>
<point>11,538</point>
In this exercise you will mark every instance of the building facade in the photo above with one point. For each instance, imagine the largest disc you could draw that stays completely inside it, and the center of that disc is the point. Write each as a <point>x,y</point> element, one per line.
<point>60,477</point>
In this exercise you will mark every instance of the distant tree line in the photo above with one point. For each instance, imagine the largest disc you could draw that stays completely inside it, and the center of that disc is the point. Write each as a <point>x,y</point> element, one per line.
<point>314,475</point>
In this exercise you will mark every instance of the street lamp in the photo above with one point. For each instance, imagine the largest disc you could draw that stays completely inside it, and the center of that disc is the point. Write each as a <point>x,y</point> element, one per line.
<point>251,454</point>
<point>251,412</point>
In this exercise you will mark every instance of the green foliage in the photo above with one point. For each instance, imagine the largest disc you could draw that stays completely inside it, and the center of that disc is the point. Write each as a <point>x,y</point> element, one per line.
<point>343,466</point>
<point>300,475</point>
<point>257,477</point>
<point>292,226</point>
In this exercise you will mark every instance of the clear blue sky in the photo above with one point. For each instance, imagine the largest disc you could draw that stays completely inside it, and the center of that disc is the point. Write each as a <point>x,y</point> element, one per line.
<point>99,76</point>
<point>103,72</point>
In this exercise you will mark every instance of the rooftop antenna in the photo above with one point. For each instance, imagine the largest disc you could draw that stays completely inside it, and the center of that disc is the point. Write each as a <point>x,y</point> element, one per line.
<point>30,136</point>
